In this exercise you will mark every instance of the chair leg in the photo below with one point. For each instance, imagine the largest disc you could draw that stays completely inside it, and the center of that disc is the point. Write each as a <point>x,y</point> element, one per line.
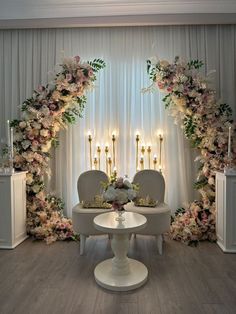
<point>82,243</point>
<point>159,239</point>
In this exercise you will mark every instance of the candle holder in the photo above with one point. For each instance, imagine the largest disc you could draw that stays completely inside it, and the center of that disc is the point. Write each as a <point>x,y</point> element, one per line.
<point>106,156</point>
<point>160,152</point>
<point>109,164</point>
<point>141,163</point>
<point>95,161</point>
<point>113,149</point>
<point>137,141</point>
<point>149,156</point>
<point>99,156</point>
<point>90,150</point>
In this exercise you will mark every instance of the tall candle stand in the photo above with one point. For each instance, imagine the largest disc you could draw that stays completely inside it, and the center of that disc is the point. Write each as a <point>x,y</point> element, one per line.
<point>142,157</point>
<point>90,150</point>
<point>113,149</point>
<point>99,156</point>
<point>160,161</point>
<point>137,141</point>
<point>106,157</point>
<point>149,156</point>
<point>109,164</point>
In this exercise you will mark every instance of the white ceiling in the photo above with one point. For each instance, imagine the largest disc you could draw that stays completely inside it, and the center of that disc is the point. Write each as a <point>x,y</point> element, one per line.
<point>71,13</point>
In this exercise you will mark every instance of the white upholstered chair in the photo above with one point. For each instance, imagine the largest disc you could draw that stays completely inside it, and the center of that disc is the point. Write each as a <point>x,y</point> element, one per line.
<point>151,183</point>
<point>89,185</point>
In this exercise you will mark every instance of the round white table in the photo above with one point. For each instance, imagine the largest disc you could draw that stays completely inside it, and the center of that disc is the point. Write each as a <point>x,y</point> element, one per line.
<point>120,273</point>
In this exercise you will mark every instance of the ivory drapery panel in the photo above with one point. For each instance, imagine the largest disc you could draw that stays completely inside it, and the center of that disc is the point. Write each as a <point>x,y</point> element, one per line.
<point>116,103</point>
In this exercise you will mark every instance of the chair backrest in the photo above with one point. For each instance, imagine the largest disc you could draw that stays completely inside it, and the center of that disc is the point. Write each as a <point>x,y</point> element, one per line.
<point>151,183</point>
<point>89,184</point>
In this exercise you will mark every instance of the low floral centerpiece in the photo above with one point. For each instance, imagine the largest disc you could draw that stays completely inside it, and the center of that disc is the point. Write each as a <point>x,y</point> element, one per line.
<point>119,192</point>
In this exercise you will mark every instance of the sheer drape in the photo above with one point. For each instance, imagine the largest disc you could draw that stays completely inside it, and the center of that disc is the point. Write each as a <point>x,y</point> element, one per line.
<point>116,103</point>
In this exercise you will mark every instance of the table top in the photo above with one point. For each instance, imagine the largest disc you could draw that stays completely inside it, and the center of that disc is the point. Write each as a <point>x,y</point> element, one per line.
<point>107,222</point>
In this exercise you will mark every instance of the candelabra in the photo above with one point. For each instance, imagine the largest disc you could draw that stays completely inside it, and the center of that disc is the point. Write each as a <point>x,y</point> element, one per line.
<point>137,141</point>
<point>160,140</point>
<point>149,156</point>
<point>106,156</point>
<point>90,150</point>
<point>113,149</point>
<point>99,156</point>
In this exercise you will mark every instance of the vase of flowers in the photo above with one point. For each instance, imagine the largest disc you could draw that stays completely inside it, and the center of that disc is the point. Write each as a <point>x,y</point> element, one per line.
<point>119,192</point>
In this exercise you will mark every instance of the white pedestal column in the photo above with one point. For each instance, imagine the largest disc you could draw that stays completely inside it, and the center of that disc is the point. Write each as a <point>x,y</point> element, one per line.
<point>226,211</point>
<point>12,209</point>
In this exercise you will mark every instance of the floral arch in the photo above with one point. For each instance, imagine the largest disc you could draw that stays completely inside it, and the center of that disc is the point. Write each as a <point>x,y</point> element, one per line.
<point>51,108</point>
<point>206,123</point>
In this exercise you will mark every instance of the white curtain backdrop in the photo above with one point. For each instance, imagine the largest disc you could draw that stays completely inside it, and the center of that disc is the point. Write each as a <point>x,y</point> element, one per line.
<point>116,103</point>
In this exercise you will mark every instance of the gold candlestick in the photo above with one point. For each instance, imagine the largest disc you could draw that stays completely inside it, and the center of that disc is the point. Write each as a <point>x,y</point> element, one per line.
<point>155,162</point>
<point>141,163</point>
<point>95,161</point>
<point>113,149</point>
<point>106,156</point>
<point>161,140</point>
<point>99,156</point>
<point>137,140</point>
<point>109,164</point>
<point>90,150</point>
<point>142,152</point>
<point>149,156</point>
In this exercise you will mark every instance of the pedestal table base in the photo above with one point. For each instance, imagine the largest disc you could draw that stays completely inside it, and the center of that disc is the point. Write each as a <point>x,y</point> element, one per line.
<point>135,278</point>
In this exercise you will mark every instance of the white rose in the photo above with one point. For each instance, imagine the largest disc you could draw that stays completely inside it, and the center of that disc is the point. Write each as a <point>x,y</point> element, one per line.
<point>44,132</point>
<point>46,147</point>
<point>36,188</point>
<point>164,63</point>
<point>22,124</point>
<point>29,178</point>
<point>36,125</point>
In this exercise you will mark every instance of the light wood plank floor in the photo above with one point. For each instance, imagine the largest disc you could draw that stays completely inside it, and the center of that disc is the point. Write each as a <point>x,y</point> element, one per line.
<point>37,278</point>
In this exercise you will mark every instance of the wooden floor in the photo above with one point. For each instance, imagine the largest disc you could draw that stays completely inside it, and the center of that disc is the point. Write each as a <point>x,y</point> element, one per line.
<point>37,278</point>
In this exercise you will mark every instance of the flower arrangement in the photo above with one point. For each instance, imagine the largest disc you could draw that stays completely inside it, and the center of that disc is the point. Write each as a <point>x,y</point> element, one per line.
<point>205,122</point>
<point>118,192</point>
<point>51,108</point>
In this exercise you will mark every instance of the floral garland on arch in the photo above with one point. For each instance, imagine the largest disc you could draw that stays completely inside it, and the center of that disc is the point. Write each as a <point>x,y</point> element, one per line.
<point>51,108</point>
<point>205,122</point>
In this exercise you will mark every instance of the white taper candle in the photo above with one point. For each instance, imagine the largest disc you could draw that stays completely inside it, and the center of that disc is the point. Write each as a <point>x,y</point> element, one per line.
<point>229,143</point>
